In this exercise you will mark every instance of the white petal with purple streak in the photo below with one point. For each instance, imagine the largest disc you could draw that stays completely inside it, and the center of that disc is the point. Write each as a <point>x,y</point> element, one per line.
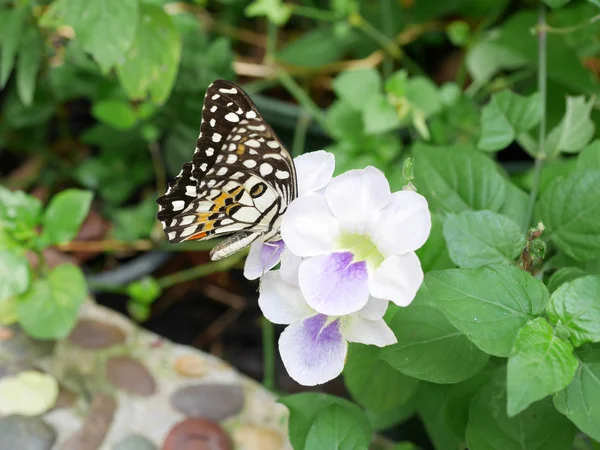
<point>404,224</point>
<point>308,227</point>
<point>371,332</point>
<point>397,279</point>
<point>357,197</point>
<point>313,351</point>
<point>374,309</point>
<point>263,256</point>
<point>334,284</point>
<point>281,302</point>
<point>314,171</point>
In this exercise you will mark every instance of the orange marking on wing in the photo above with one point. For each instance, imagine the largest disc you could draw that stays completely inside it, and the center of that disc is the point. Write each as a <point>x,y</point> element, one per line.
<point>220,199</point>
<point>197,236</point>
<point>200,218</point>
<point>208,225</point>
<point>241,148</point>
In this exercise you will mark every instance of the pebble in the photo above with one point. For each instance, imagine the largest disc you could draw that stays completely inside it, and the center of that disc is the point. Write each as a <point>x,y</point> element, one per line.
<point>191,366</point>
<point>210,401</point>
<point>95,426</point>
<point>26,433</point>
<point>254,437</point>
<point>197,434</point>
<point>130,375</point>
<point>135,442</point>
<point>93,335</point>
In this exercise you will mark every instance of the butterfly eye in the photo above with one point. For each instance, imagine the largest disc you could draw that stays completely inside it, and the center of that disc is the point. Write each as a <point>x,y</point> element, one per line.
<point>257,190</point>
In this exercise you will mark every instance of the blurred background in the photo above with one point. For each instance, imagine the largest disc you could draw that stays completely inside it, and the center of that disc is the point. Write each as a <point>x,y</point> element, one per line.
<point>106,96</point>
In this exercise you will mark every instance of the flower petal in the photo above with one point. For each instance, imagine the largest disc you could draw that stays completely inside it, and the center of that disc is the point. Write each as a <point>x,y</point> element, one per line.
<point>333,284</point>
<point>314,170</point>
<point>263,256</point>
<point>374,309</point>
<point>371,332</point>
<point>308,228</point>
<point>281,302</point>
<point>290,264</point>
<point>356,198</point>
<point>404,225</point>
<point>313,351</point>
<point>398,279</point>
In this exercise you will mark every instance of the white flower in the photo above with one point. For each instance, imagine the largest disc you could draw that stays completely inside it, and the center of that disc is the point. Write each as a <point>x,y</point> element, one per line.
<point>313,347</point>
<point>358,240</point>
<point>313,171</point>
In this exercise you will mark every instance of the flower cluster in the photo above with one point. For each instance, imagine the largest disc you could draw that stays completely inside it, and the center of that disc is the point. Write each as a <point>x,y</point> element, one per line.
<point>347,249</point>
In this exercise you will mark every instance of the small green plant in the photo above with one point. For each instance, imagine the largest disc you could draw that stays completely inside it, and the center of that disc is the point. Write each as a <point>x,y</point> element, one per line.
<point>44,301</point>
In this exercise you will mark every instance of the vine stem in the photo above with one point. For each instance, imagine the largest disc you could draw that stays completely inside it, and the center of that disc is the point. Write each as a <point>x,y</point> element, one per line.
<point>542,78</point>
<point>268,341</point>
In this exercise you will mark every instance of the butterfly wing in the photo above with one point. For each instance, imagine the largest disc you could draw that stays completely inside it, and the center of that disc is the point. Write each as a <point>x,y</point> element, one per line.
<point>240,180</point>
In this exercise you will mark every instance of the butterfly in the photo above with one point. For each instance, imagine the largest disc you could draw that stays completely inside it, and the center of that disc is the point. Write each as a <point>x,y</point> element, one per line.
<point>239,183</point>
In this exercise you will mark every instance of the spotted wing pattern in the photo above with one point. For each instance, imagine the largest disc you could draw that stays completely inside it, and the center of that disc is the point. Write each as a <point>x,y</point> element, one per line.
<point>239,182</point>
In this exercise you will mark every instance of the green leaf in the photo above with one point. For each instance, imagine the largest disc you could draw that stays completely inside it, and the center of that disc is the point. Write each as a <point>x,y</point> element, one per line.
<point>18,209</point>
<point>28,64</point>
<point>373,383</point>
<point>305,409</point>
<point>556,3</point>
<point>151,63</point>
<point>564,275</point>
<point>48,310</point>
<point>459,33</point>
<point>15,276</point>
<point>355,86</point>
<point>516,205</point>
<point>589,158</point>
<point>574,130</point>
<point>430,348</point>
<point>135,222</point>
<point>118,114</point>
<point>105,28</point>
<point>275,10</point>
<point>64,215</point>
<point>477,238</point>
<point>457,178</point>
<point>315,48</point>
<point>489,304</point>
<point>385,420</point>
<point>430,398</point>
<point>575,305</point>
<point>434,253</point>
<point>580,401</point>
<point>507,115</point>
<point>423,94</point>
<point>540,364</point>
<point>486,58</point>
<point>539,427</point>
<point>379,116</point>
<point>570,210</point>
<point>144,291</point>
<point>340,428</point>
<point>11,39</point>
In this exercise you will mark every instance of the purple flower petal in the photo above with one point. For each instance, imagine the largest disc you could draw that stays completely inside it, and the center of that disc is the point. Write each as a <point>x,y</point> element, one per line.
<point>313,351</point>
<point>333,284</point>
<point>262,257</point>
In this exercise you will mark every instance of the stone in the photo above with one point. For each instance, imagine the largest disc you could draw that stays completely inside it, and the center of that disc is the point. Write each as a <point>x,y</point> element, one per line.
<point>209,401</point>
<point>191,366</point>
<point>30,433</point>
<point>93,335</point>
<point>130,375</point>
<point>6,334</point>
<point>135,442</point>
<point>22,348</point>
<point>197,434</point>
<point>95,426</point>
<point>255,437</point>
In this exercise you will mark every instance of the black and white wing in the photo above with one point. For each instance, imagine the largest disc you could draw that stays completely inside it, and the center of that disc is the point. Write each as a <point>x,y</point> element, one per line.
<point>240,180</point>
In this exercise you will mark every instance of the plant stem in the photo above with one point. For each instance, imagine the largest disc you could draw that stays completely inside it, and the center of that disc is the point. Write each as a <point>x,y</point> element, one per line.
<point>302,97</point>
<point>300,133</point>
<point>201,271</point>
<point>268,338</point>
<point>315,13</point>
<point>541,151</point>
<point>271,49</point>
